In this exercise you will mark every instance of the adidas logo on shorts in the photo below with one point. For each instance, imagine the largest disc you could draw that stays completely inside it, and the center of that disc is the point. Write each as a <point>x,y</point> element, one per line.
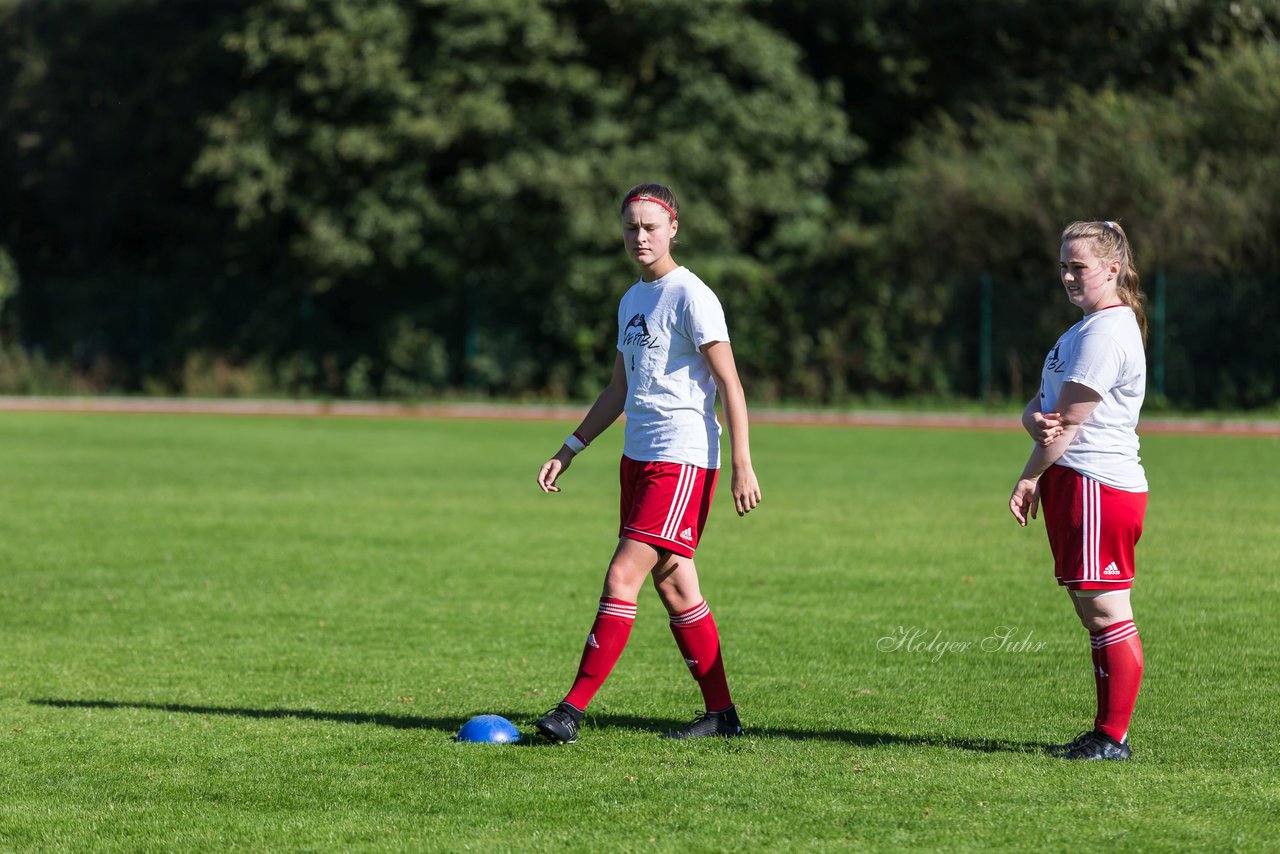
<point>687,535</point>
<point>1111,569</point>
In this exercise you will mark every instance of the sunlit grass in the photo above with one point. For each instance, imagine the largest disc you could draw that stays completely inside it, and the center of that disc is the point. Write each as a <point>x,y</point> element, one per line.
<point>263,633</point>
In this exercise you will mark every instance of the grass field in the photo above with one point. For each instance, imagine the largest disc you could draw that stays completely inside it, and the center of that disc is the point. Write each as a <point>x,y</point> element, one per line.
<point>262,633</point>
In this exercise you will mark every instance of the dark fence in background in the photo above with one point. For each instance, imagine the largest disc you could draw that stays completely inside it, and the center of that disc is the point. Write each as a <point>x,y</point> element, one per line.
<point>1213,341</point>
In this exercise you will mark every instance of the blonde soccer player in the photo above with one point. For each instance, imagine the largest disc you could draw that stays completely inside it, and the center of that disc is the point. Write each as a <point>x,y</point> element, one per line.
<point>1085,473</point>
<point>673,357</point>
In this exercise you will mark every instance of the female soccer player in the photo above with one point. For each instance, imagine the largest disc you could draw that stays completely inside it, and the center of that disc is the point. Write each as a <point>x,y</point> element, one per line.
<point>1085,471</point>
<point>673,356</point>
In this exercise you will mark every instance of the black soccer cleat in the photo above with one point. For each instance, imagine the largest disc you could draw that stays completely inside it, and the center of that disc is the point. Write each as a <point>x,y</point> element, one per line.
<point>1061,750</point>
<point>1097,745</point>
<point>724,724</point>
<point>560,725</point>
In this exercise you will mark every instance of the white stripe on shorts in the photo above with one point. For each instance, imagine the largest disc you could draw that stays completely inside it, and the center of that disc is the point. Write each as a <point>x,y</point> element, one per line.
<point>684,489</point>
<point>1091,527</point>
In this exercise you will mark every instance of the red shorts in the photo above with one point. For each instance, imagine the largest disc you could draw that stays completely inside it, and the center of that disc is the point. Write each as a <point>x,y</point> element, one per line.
<point>665,504</point>
<point>1093,529</point>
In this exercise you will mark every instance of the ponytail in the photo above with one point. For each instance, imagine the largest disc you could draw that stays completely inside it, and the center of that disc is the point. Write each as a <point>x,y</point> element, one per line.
<point>1110,241</point>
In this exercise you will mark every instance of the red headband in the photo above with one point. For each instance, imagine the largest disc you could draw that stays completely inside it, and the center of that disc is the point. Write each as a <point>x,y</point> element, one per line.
<point>658,202</point>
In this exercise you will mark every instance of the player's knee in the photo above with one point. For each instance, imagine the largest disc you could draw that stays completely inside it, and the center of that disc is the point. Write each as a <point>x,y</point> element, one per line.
<point>624,574</point>
<point>677,595</point>
<point>1095,622</point>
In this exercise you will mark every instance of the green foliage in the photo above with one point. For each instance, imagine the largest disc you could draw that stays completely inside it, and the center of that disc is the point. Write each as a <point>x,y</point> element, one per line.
<point>262,634</point>
<point>405,197</point>
<point>26,373</point>
<point>9,279</point>
<point>1192,194</point>
<point>123,267</point>
<point>904,62</point>
<point>487,144</point>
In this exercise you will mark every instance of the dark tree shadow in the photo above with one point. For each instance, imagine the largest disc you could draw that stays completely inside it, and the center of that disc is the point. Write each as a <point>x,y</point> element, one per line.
<point>881,739</point>
<point>524,722</point>
<point>858,739</point>
<point>447,724</point>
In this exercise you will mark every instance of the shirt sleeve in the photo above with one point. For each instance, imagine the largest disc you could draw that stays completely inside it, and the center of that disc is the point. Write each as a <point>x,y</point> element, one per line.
<point>1098,362</point>
<point>703,319</point>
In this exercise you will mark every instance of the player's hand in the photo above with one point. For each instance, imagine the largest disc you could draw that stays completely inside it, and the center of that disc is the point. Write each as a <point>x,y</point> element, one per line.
<point>1025,500</point>
<point>1045,427</point>
<point>552,469</point>
<point>746,490</point>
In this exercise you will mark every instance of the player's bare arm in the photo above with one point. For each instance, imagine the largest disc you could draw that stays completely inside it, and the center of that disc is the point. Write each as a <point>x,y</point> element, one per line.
<point>745,487</point>
<point>1076,403</point>
<point>1043,427</point>
<point>603,412</point>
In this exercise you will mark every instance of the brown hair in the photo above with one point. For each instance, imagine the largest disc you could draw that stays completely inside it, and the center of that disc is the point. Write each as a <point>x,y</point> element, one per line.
<point>1110,242</point>
<point>659,193</point>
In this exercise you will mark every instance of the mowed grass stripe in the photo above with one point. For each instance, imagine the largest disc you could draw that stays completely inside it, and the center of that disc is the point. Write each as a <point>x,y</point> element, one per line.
<point>224,631</point>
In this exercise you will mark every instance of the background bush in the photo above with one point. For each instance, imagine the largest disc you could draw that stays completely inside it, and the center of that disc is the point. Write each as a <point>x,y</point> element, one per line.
<point>409,198</point>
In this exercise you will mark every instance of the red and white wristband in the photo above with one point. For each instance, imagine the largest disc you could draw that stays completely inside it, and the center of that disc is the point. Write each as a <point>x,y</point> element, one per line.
<point>576,443</point>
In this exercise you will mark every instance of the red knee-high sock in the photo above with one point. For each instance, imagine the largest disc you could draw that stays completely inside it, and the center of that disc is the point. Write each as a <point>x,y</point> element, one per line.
<point>699,642</point>
<point>604,645</point>
<point>1101,681</point>
<point>1117,668</point>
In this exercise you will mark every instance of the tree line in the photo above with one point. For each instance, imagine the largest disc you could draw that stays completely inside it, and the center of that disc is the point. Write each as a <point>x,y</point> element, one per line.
<point>408,198</point>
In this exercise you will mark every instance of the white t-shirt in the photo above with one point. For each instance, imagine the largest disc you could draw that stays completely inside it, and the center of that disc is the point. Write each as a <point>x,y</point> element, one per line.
<point>670,391</point>
<point>1103,352</point>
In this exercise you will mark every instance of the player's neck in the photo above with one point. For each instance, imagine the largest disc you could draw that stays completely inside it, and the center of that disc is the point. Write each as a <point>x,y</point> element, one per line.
<point>658,269</point>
